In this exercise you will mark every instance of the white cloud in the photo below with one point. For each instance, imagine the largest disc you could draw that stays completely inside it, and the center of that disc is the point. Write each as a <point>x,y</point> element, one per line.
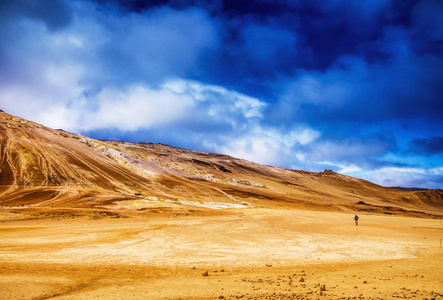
<point>407,177</point>
<point>236,103</point>
<point>343,168</point>
<point>43,70</point>
<point>303,136</point>
<point>106,69</point>
<point>269,145</point>
<point>137,106</point>
<point>134,108</point>
<point>436,171</point>
<point>254,147</point>
<point>142,107</point>
<point>349,168</point>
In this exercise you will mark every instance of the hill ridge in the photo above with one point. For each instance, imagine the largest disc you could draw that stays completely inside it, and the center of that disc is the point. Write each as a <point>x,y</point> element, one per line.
<point>43,166</point>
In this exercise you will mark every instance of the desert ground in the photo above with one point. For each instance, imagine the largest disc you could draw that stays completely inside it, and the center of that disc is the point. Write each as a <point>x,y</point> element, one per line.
<point>174,252</point>
<point>82,218</point>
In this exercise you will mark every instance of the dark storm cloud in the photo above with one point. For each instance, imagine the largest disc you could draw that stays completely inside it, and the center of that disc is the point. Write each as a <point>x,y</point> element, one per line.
<point>54,13</point>
<point>264,39</point>
<point>163,42</point>
<point>115,48</point>
<point>258,50</point>
<point>355,91</point>
<point>429,146</point>
<point>350,85</point>
<point>396,75</point>
<point>143,5</point>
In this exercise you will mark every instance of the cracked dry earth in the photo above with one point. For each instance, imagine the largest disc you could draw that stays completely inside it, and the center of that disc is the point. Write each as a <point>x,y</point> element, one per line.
<point>256,253</point>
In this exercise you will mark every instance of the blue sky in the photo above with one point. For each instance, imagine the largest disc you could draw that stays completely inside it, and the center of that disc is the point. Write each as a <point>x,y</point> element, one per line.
<point>352,86</point>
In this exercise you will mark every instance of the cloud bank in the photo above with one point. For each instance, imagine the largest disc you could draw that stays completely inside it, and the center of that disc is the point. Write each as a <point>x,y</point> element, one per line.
<point>298,84</point>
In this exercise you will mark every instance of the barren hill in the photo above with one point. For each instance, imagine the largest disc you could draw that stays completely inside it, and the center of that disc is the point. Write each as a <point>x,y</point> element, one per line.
<point>42,167</point>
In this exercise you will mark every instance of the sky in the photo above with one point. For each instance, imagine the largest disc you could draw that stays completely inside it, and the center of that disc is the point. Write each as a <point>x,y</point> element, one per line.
<point>351,86</point>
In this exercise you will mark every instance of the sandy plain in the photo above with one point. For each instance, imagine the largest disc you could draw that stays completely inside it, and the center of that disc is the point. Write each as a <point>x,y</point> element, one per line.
<point>252,253</point>
<point>83,219</point>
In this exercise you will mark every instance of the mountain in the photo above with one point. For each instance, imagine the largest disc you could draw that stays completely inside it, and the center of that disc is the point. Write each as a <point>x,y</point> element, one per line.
<point>43,167</point>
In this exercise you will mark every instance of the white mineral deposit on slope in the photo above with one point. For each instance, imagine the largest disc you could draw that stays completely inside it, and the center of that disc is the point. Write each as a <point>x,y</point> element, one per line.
<point>84,219</point>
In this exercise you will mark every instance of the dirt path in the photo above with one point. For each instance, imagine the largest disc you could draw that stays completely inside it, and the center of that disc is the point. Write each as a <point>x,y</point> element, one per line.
<point>249,254</point>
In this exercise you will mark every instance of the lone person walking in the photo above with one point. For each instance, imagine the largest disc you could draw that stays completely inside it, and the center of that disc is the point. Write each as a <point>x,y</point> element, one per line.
<point>356,219</point>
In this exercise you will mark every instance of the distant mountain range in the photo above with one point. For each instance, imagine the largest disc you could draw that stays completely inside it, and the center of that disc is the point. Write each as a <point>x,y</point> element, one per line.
<point>42,167</point>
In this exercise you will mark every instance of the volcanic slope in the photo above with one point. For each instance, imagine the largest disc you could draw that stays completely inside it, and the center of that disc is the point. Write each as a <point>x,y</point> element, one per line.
<point>43,167</point>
